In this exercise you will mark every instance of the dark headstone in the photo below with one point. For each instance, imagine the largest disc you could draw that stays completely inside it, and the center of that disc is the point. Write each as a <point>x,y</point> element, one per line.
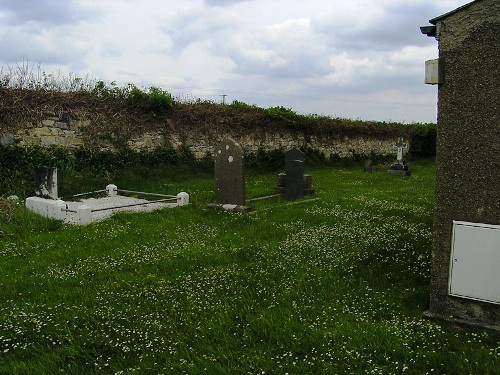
<point>229,173</point>
<point>290,185</point>
<point>46,182</point>
<point>294,180</point>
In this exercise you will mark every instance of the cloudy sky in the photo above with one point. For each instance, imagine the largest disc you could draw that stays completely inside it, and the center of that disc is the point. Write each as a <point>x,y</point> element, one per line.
<point>342,58</point>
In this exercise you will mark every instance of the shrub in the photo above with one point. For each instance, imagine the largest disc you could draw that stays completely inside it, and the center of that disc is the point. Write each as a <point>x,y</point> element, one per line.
<point>263,160</point>
<point>155,102</point>
<point>423,140</point>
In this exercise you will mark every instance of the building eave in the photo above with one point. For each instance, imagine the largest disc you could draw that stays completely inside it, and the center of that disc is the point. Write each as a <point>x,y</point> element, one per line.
<point>439,18</point>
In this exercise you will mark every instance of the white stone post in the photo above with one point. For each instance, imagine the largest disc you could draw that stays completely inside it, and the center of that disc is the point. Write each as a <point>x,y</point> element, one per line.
<point>59,213</point>
<point>83,215</point>
<point>182,199</point>
<point>112,190</point>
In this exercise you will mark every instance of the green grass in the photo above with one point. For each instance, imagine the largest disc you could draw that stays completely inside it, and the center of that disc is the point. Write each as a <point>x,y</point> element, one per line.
<point>335,285</point>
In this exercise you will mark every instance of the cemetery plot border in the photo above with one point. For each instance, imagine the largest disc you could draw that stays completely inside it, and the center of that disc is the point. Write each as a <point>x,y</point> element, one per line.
<point>85,211</point>
<point>46,201</point>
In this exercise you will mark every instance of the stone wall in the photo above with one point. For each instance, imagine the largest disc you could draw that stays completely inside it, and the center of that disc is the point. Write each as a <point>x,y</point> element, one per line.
<point>71,134</point>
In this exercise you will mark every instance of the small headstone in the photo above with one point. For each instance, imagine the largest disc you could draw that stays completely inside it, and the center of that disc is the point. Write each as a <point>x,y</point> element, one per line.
<point>281,183</point>
<point>229,173</point>
<point>368,166</point>
<point>308,185</point>
<point>46,182</point>
<point>399,167</point>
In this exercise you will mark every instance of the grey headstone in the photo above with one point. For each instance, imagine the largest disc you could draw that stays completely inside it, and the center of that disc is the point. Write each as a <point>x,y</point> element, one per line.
<point>229,173</point>
<point>46,182</point>
<point>294,185</point>
<point>308,184</point>
<point>368,166</point>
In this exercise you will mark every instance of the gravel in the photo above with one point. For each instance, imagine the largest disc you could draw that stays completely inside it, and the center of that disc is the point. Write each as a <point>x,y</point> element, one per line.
<point>116,201</point>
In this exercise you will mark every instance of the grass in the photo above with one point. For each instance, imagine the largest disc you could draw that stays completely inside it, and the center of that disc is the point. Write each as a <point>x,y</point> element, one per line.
<point>335,285</point>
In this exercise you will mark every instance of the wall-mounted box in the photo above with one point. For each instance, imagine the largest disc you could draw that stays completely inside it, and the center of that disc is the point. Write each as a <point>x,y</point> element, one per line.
<point>434,71</point>
<point>475,262</point>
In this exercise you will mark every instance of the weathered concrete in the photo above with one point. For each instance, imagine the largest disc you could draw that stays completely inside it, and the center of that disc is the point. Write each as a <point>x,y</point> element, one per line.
<point>468,147</point>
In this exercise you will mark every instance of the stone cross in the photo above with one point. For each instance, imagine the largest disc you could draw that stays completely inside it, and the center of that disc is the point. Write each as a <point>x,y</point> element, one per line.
<point>46,182</point>
<point>400,145</point>
<point>229,173</point>
<point>294,170</point>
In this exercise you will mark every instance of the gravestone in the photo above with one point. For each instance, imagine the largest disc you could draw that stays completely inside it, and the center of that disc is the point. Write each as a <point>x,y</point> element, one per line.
<point>307,188</point>
<point>229,173</point>
<point>294,172</point>
<point>399,167</point>
<point>368,166</point>
<point>46,182</point>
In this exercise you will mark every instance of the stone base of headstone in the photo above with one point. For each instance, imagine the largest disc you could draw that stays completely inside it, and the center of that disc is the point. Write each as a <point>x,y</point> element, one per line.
<point>399,170</point>
<point>308,189</point>
<point>230,207</point>
<point>399,173</point>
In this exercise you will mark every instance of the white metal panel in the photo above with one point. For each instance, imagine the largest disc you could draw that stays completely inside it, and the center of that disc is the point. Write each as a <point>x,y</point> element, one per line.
<point>433,72</point>
<point>475,262</point>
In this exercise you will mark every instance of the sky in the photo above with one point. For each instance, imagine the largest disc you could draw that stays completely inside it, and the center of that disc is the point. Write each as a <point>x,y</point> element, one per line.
<point>357,59</point>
